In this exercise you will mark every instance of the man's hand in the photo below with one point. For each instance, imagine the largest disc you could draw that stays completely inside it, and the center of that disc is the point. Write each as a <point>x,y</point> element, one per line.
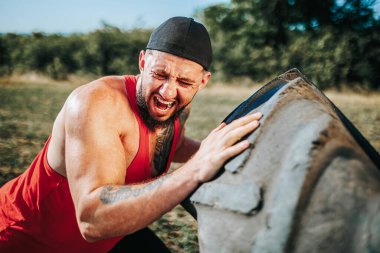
<point>222,144</point>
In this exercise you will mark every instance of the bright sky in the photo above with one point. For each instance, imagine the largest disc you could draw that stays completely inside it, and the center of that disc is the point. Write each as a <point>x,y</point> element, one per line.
<point>67,16</point>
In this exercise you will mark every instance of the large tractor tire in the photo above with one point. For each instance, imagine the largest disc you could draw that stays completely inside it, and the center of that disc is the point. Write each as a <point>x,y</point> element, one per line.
<point>310,182</point>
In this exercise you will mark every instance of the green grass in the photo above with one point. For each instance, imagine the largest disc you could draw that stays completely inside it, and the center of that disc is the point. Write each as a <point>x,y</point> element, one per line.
<point>27,112</point>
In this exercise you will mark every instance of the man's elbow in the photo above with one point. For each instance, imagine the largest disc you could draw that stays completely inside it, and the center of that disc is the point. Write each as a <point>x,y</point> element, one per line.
<point>90,227</point>
<point>93,230</point>
<point>90,232</point>
<point>97,222</point>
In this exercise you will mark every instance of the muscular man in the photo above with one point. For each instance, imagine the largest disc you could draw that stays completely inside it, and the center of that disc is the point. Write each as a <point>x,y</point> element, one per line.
<point>101,175</point>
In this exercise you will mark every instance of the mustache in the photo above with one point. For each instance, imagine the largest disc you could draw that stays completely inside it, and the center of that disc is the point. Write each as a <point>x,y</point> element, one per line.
<point>149,121</point>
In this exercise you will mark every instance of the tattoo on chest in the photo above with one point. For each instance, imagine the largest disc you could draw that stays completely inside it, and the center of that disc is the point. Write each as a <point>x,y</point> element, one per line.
<point>164,143</point>
<point>162,149</point>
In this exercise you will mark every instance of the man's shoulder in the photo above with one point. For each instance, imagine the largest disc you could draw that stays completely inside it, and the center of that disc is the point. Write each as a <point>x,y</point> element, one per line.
<point>107,84</point>
<point>105,89</point>
<point>104,96</point>
<point>112,82</point>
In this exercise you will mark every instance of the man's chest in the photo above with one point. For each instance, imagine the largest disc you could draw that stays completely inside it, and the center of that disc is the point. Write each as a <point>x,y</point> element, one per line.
<point>150,148</point>
<point>160,147</point>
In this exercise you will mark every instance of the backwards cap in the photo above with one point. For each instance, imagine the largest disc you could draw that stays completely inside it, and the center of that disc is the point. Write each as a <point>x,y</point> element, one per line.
<point>183,37</point>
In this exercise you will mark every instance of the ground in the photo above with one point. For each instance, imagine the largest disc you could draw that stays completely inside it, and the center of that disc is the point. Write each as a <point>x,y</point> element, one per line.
<point>28,109</point>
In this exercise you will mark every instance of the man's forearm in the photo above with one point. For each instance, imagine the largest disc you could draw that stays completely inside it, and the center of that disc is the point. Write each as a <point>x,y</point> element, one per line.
<point>112,194</point>
<point>124,209</point>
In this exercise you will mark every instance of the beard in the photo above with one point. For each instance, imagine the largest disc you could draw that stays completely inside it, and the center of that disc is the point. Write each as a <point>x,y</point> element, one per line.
<point>150,122</point>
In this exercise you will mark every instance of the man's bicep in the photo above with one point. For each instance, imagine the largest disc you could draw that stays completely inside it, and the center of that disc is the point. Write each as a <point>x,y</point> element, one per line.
<point>93,150</point>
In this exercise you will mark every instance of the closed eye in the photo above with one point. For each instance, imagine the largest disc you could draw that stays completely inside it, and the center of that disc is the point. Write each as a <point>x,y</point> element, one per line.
<point>159,76</point>
<point>185,83</point>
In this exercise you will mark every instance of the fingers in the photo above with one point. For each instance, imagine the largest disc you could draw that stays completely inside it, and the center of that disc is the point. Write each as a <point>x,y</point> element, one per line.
<point>235,149</point>
<point>219,127</point>
<point>241,127</point>
<point>240,132</point>
<point>244,120</point>
<point>239,122</point>
<point>225,136</point>
<point>223,143</point>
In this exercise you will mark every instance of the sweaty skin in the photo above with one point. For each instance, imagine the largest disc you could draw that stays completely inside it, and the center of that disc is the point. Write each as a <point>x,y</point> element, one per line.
<point>94,140</point>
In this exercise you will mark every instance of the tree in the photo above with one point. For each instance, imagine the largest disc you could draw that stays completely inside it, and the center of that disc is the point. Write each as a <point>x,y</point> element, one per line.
<point>258,38</point>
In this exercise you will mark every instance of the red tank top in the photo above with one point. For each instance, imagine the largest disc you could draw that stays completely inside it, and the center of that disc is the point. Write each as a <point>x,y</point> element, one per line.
<point>36,209</point>
<point>135,173</point>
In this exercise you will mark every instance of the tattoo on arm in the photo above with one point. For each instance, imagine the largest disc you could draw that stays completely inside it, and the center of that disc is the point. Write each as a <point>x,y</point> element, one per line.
<point>113,194</point>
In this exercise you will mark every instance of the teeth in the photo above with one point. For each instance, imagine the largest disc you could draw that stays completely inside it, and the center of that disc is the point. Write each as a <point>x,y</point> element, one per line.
<point>168,104</point>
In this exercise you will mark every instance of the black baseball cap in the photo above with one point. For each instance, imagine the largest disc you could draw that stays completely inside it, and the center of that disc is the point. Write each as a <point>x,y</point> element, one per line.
<point>183,37</point>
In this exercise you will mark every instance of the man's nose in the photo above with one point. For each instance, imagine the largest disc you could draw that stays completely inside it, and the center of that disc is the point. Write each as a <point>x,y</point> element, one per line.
<point>168,89</point>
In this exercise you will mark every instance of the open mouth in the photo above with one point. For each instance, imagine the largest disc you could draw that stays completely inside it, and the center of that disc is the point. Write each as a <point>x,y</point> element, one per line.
<point>162,104</point>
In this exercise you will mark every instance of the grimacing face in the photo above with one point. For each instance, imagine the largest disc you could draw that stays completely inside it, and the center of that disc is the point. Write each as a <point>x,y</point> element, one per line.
<point>166,85</point>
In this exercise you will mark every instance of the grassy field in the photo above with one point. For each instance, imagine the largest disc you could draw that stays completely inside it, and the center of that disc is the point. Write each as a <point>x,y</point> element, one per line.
<point>27,112</point>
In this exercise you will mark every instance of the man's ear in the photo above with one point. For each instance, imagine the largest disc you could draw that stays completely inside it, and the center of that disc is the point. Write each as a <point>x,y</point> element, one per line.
<point>141,60</point>
<point>206,77</point>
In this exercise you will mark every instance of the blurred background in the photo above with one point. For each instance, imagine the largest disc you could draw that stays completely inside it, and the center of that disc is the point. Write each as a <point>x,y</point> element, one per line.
<point>336,43</point>
<point>49,47</point>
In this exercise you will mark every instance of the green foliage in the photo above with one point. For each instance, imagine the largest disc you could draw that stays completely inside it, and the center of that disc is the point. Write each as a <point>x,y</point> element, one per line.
<point>112,51</point>
<point>332,42</point>
<point>105,51</point>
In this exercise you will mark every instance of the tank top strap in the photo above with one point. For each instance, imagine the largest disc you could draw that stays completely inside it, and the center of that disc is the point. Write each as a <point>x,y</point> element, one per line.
<point>177,129</point>
<point>130,86</point>
<point>139,169</point>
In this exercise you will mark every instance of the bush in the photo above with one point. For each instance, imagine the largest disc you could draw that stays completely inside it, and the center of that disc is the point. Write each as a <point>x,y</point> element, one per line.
<point>106,51</point>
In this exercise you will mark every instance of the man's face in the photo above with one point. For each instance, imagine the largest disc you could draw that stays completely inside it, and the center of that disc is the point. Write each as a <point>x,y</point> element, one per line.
<point>167,84</point>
